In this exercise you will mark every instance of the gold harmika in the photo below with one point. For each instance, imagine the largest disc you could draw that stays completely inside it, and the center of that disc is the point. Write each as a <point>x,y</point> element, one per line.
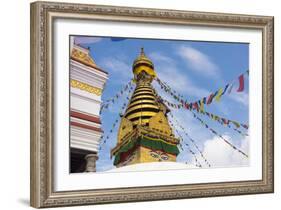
<point>86,87</point>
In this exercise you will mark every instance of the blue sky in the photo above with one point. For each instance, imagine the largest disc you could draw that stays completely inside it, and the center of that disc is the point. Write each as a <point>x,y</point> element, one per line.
<point>194,69</point>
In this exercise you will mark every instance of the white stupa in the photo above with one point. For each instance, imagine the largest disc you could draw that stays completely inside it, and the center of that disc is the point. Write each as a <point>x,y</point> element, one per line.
<point>153,166</point>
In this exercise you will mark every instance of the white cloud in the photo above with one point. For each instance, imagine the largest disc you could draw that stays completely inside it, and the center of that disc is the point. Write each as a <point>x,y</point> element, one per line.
<point>167,71</point>
<point>219,154</point>
<point>198,61</point>
<point>119,66</point>
<point>241,97</point>
<point>159,57</point>
<point>180,82</point>
<point>86,39</point>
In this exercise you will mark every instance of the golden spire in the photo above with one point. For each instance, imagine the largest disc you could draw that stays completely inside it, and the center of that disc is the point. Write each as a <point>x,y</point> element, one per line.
<point>144,118</point>
<point>143,64</point>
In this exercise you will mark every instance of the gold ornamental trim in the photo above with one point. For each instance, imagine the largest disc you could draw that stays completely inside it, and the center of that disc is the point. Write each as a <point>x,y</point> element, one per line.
<point>141,114</point>
<point>143,121</point>
<point>140,107</point>
<point>141,102</point>
<point>143,96</point>
<point>85,87</point>
<point>83,57</point>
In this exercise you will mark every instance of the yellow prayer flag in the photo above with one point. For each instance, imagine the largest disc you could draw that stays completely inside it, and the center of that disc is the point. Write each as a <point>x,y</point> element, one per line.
<point>202,106</point>
<point>218,96</point>
<point>236,124</point>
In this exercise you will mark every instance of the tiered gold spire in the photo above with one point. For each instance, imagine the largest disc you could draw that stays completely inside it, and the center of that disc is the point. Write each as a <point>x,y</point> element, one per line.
<point>144,118</point>
<point>143,104</point>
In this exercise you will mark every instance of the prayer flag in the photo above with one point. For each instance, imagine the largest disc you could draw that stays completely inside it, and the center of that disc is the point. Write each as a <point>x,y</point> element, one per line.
<point>230,89</point>
<point>204,100</point>
<point>245,126</point>
<point>202,105</point>
<point>225,121</point>
<point>236,124</point>
<point>195,106</point>
<point>219,94</point>
<point>225,88</point>
<point>210,98</point>
<point>241,83</point>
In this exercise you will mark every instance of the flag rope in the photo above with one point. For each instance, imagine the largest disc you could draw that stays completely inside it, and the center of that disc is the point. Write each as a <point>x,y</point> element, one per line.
<point>219,135</point>
<point>191,139</point>
<point>207,99</point>
<point>104,138</point>
<point>194,106</point>
<point>221,120</point>
<point>108,102</point>
<point>198,164</point>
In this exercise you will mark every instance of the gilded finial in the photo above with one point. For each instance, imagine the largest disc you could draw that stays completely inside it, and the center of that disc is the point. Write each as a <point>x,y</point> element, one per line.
<point>142,51</point>
<point>143,64</point>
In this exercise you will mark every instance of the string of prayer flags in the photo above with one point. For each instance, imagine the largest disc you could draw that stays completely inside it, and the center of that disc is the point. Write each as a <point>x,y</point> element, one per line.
<point>197,163</point>
<point>221,120</point>
<point>219,135</point>
<point>104,138</point>
<point>226,122</point>
<point>207,99</point>
<point>201,105</point>
<point>191,139</point>
<point>106,103</point>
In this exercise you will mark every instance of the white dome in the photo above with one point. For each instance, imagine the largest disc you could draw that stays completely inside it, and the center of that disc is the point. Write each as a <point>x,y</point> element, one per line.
<point>154,166</point>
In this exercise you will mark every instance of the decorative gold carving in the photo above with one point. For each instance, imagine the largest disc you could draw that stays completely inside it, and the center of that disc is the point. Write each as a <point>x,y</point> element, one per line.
<point>140,102</point>
<point>143,130</point>
<point>141,106</point>
<point>143,96</point>
<point>86,87</point>
<point>138,121</point>
<point>143,64</point>
<point>83,57</point>
<point>140,114</point>
<point>160,123</point>
<point>125,128</point>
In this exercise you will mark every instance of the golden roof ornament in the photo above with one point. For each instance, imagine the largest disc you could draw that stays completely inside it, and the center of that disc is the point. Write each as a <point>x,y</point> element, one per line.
<point>143,64</point>
<point>82,55</point>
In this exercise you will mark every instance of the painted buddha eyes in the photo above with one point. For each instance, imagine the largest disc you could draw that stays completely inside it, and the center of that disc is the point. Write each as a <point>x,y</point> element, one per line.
<point>159,155</point>
<point>164,157</point>
<point>154,154</point>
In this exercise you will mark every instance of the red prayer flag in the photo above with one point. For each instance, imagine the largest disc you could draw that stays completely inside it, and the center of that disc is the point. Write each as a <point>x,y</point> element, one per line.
<point>195,106</point>
<point>241,83</point>
<point>210,98</point>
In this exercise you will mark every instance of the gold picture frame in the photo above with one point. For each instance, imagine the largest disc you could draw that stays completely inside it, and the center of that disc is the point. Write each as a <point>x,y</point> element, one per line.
<point>43,15</point>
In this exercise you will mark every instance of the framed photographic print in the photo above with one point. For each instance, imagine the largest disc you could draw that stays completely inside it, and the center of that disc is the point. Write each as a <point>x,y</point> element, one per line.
<point>136,104</point>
